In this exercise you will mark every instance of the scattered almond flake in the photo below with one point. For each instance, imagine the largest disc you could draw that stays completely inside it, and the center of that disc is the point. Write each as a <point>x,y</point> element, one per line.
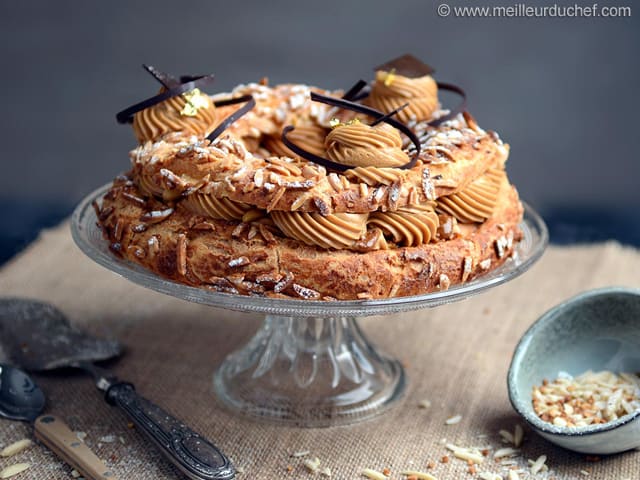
<point>538,464</point>
<point>325,472</point>
<point>14,469</point>
<point>424,403</point>
<point>489,476</point>
<point>82,435</point>
<point>584,472</point>
<point>108,439</point>
<point>300,454</point>
<point>418,475</point>
<point>544,468</point>
<point>506,436</point>
<point>453,420</point>
<point>485,264</point>
<point>239,469</point>
<point>16,447</point>
<point>75,473</point>
<point>312,464</point>
<point>374,474</point>
<point>513,475</point>
<point>518,435</point>
<point>468,454</point>
<point>505,452</point>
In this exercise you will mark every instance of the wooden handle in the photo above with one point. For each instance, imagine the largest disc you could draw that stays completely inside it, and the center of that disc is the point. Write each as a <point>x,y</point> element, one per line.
<point>59,438</point>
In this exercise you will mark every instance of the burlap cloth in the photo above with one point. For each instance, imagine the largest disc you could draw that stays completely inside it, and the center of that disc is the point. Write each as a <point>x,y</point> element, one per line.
<point>456,356</point>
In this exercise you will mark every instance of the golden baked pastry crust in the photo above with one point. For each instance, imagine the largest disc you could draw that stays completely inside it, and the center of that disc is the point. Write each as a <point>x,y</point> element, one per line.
<point>250,259</point>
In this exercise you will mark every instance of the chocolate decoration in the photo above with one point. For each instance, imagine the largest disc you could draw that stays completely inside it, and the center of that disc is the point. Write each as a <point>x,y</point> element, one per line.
<point>461,107</point>
<point>166,80</point>
<point>353,92</point>
<point>250,103</point>
<point>126,115</point>
<point>406,65</point>
<point>390,114</point>
<point>356,107</point>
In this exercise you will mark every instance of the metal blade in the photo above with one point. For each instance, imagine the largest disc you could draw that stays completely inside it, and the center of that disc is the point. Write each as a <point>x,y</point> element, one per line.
<point>37,336</point>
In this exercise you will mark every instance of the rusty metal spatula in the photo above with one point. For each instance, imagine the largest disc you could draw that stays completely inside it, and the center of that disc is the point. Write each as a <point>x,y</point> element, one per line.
<point>38,337</point>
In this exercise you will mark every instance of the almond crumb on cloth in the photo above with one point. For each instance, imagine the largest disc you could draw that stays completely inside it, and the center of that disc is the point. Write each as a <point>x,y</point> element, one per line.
<point>418,475</point>
<point>453,420</point>
<point>313,465</point>
<point>14,469</point>
<point>374,474</point>
<point>16,447</point>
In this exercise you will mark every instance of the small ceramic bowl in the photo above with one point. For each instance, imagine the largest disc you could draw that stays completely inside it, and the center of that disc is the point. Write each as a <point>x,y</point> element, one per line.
<point>596,330</point>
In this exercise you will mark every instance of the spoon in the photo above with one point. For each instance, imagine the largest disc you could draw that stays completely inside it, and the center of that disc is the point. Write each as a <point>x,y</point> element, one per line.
<point>21,399</point>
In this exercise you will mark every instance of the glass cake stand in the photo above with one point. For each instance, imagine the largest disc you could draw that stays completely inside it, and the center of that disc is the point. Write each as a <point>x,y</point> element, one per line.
<point>309,364</point>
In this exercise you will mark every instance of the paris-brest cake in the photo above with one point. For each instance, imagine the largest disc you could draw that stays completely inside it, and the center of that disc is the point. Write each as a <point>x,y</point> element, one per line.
<point>298,192</point>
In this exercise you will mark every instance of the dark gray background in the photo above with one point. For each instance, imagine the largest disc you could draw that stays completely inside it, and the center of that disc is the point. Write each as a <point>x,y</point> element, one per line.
<point>562,91</point>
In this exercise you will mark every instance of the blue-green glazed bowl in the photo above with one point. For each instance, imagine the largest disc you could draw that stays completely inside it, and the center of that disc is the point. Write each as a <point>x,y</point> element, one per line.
<point>596,330</point>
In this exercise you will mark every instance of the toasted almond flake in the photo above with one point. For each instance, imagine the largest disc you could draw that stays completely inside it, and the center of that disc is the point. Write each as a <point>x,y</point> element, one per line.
<point>300,454</point>
<point>506,436</point>
<point>453,420</point>
<point>312,464</point>
<point>418,475</point>
<point>16,447</point>
<point>276,198</point>
<point>374,474</point>
<point>325,472</point>
<point>505,452</point>
<point>75,473</point>
<point>424,403</point>
<point>466,454</point>
<point>181,254</point>
<point>513,475</point>
<point>518,435</point>
<point>14,469</point>
<point>489,476</point>
<point>584,472</point>
<point>538,464</point>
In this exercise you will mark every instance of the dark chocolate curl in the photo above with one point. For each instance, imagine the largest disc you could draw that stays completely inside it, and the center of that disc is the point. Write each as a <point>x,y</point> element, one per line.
<point>356,107</point>
<point>166,80</point>
<point>390,114</point>
<point>461,107</point>
<point>250,103</point>
<point>126,115</point>
<point>352,93</point>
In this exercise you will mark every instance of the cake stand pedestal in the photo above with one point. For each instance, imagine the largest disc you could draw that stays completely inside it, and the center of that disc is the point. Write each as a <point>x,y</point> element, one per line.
<point>309,364</point>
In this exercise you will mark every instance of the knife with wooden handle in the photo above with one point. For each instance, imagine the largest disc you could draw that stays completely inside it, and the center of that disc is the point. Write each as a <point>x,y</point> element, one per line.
<point>57,436</point>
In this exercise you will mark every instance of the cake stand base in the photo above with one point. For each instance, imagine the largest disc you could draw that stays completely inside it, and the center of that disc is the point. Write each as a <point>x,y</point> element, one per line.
<point>309,371</point>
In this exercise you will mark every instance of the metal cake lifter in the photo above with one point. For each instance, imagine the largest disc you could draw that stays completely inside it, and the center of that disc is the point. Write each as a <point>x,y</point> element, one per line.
<point>38,337</point>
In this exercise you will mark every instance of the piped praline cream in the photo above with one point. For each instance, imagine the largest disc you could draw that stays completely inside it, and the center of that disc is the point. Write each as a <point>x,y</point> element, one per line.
<point>192,113</point>
<point>390,91</point>
<point>310,137</point>
<point>357,144</point>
